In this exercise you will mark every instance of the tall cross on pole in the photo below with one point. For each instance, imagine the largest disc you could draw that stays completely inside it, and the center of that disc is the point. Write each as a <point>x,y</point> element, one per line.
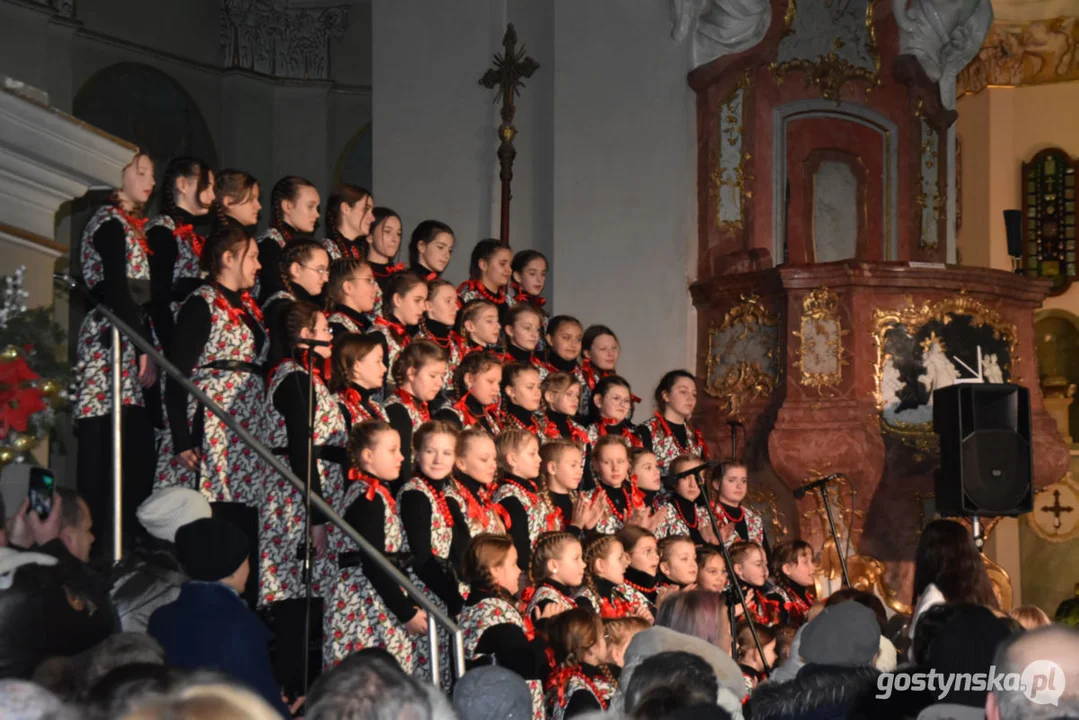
<point>511,67</point>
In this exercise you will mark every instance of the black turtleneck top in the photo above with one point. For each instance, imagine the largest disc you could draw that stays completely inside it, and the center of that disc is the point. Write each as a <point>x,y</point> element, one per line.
<point>270,255</point>
<point>383,273</point>
<point>619,497</point>
<point>479,493</point>
<point>742,528</point>
<point>417,515</point>
<point>425,272</point>
<point>437,329</point>
<point>362,320</point>
<point>274,316</point>
<point>367,401</point>
<point>519,355</point>
<point>162,263</point>
<point>688,511</point>
<point>474,407</point>
<point>527,418</point>
<point>518,529</point>
<point>643,583</point>
<point>566,366</point>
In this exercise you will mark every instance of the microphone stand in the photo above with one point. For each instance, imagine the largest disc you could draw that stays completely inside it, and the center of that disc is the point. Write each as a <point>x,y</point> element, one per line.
<point>733,579</point>
<point>823,487</point>
<point>308,539</point>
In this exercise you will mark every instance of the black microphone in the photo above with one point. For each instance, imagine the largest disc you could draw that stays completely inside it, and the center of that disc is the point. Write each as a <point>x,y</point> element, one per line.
<point>670,480</point>
<point>735,423</point>
<point>801,491</point>
<point>312,343</point>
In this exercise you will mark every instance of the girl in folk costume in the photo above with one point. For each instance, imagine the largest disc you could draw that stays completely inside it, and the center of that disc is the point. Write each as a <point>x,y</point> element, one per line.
<point>187,192</point>
<point>751,570</point>
<point>348,221</point>
<point>644,474</point>
<point>439,320</point>
<point>283,509</point>
<point>555,573</point>
<point>560,475</point>
<point>677,565</point>
<point>236,200</point>
<point>583,682</point>
<point>382,246</point>
<point>641,583</point>
<point>518,493</point>
<point>523,329</point>
<point>711,569</point>
<point>490,622</point>
<point>619,633</point>
<point>357,377</point>
<point>417,378</point>
<point>737,522</point>
<point>528,277</point>
<point>115,262</point>
<point>668,433</point>
<point>605,561</point>
<point>754,668</point>
<point>433,524</point>
<point>366,607</point>
<point>521,399</point>
<point>404,300</point>
<point>430,249</point>
<point>477,383</point>
<point>473,484</point>
<point>351,290</point>
<point>601,351</point>
<point>612,406</point>
<point>563,338</point>
<point>685,513</point>
<point>793,569</point>
<point>622,506</point>
<point>223,352</point>
<point>478,327</point>
<point>293,214</point>
<point>489,274</point>
<point>304,269</point>
<point>561,393</point>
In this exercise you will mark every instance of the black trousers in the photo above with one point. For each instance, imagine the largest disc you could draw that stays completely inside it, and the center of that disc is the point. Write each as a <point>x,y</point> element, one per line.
<point>286,620</point>
<point>94,483</point>
<point>246,518</point>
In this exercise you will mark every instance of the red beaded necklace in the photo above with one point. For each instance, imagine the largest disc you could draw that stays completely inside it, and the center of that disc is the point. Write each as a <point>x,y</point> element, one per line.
<point>477,286</point>
<point>410,402</point>
<point>678,509</point>
<point>440,500</point>
<point>665,426</point>
<point>610,503</point>
<point>731,518</point>
<point>532,497</point>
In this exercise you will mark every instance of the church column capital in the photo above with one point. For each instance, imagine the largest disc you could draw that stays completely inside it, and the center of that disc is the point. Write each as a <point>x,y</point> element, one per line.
<point>281,38</point>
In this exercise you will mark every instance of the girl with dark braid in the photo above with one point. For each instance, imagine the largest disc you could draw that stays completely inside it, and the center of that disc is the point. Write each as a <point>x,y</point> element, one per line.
<point>382,245</point>
<point>293,215</point>
<point>187,191</point>
<point>305,267</point>
<point>348,221</point>
<point>236,200</point>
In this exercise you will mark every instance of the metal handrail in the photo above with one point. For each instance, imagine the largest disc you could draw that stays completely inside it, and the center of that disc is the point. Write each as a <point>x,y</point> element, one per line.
<point>434,613</point>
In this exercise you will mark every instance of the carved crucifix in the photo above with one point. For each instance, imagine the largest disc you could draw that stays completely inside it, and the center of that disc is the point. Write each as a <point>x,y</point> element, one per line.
<point>1057,509</point>
<point>511,67</point>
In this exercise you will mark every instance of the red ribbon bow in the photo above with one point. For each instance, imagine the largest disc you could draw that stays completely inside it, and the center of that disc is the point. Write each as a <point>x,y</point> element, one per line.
<point>374,485</point>
<point>187,234</point>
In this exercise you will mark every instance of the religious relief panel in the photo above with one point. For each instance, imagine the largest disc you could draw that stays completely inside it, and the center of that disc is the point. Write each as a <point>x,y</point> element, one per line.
<point>742,355</point>
<point>821,335</point>
<point>1056,511</point>
<point>1015,54</point>
<point>1049,218</point>
<point>923,348</point>
<point>833,42</point>
<point>269,37</point>
<point>728,186</point>
<point>930,198</point>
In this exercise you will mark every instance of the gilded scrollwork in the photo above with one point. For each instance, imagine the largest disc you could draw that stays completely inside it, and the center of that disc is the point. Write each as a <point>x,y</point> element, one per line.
<point>821,355</point>
<point>729,176</point>
<point>742,354</point>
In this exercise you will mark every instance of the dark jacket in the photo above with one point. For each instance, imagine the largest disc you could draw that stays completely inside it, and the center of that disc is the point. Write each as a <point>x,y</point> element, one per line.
<point>211,628</point>
<point>145,580</point>
<point>818,692</point>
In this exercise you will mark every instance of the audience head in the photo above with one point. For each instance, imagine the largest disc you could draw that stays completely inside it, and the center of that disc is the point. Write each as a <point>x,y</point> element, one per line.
<point>477,456</point>
<point>384,238</point>
<point>1029,617</point>
<point>600,347</point>
<point>24,700</point>
<point>784,641</point>
<point>169,509</point>
<point>358,359</point>
<point>293,206</point>
<point>564,334</point>
<point>431,246</point>
<point>75,523</point>
<point>1067,612</point>
<point>349,211</point>
<point>236,197</point>
<point>368,685</point>
<point>214,550</point>
<point>948,558</point>
<point>375,448</point>
<point>700,613</point>
<point>492,693</point>
<point>114,652</point>
<point>667,682</point>
<point>846,635</point>
<point>530,271</point>
<point>419,369</point>
<point>222,701</point>
<point>965,644</point>
<point>929,624</point>
<point>134,685</point>
<point>862,597</point>
<point>1054,643</point>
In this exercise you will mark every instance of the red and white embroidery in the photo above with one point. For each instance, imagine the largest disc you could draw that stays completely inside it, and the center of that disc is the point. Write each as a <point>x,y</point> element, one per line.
<point>188,251</point>
<point>529,501</point>
<point>665,445</point>
<point>270,234</point>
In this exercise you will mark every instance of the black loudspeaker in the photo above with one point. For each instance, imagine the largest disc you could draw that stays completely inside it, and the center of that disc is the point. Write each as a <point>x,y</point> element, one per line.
<point>986,467</point>
<point>1013,227</point>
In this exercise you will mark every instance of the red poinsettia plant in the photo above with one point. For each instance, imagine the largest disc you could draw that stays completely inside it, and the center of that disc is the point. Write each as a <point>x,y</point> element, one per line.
<point>20,396</point>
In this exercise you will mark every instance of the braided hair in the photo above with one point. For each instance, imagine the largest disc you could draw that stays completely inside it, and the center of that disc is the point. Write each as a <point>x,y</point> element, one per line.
<point>342,194</point>
<point>349,349</point>
<point>223,239</point>
<point>551,452</point>
<point>485,551</point>
<point>237,186</point>
<point>299,316</point>
<point>287,188</point>
<point>297,252</point>
<point>341,271</point>
<point>475,363</point>
<point>181,167</point>
<point>548,546</point>
<point>595,547</point>
<point>572,634</point>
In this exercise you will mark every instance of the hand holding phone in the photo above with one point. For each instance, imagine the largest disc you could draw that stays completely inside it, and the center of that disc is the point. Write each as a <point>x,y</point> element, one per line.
<point>40,491</point>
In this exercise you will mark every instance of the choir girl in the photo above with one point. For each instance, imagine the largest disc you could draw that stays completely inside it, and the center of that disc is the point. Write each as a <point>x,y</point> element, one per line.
<point>644,473</point>
<point>523,328</point>
<point>563,351</point>
<point>729,485</point>
<point>305,265</point>
<point>605,571</point>
<point>793,569</point>
<point>555,573</point>
<point>417,379</point>
<point>620,632</point>
<point>490,622</point>
<point>283,507</point>
<point>477,382</point>
<point>519,460</point>
<point>529,275</point>
<point>479,326</point>
<point>430,249</point>
<point>751,570</point>
<point>187,192</point>
<point>366,607</point>
<point>677,563</point>
<point>753,667</point>
<point>352,290</point>
<point>357,377</point>
<point>600,348</point>
<point>433,525</point>
<point>223,352</point>
<point>348,221</point>
<point>438,324</point>
<point>236,200</point>
<point>563,509</point>
<point>612,405</point>
<point>640,583</point>
<point>114,259</point>
<point>473,483</point>
<point>610,460</point>
<point>382,246</point>
<point>668,433</point>
<point>489,274</point>
<point>711,569</point>
<point>561,393</point>
<point>521,399</point>
<point>404,298</point>
<point>686,514</point>
<point>293,214</point>
<point>582,682</point>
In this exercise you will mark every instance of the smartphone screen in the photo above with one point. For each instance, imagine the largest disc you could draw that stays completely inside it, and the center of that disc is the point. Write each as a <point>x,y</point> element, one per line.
<point>40,491</point>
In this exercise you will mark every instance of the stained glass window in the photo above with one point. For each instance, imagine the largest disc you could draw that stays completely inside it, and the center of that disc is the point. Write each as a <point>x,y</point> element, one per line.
<point>1049,218</point>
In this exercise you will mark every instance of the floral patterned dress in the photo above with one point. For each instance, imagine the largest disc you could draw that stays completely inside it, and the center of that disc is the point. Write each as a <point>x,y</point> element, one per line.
<point>681,518</point>
<point>481,513</point>
<point>467,412</point>
<point>397,339</point>
<point>475,290</point>
<point>344,320</point>
<point>93,367</point>
<point>272,235</point>
<point>520,498</point>
<point>451,344</point>
<point>547,592</point>
<point>282,513</point>
<point>359,405</point>
<point>589,679</point>
<point>228,368</point>
<point>339,247</point>
<point>188,251</point>
<point>619,505</point>
<point>663,439</point>
<point>435,528</point>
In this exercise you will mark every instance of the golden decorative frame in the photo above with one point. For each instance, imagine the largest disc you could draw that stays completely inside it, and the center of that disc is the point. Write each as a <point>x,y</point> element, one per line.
<point>766,499</point>
<point>744,380</point>
<point>821,307</point>
<point>829,73</point>
<point>732,136</point>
